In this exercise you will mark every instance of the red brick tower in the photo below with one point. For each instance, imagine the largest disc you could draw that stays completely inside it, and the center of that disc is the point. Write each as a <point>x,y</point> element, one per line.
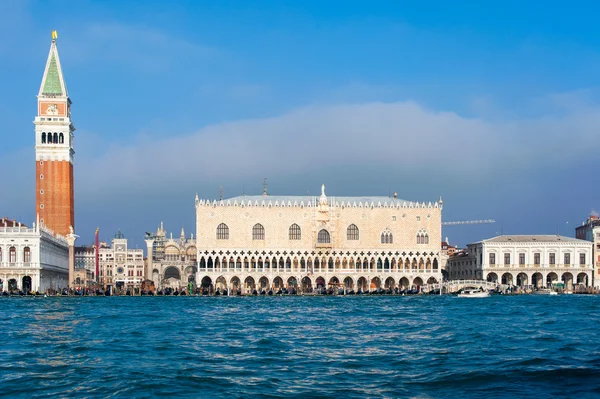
<point>54,149</point>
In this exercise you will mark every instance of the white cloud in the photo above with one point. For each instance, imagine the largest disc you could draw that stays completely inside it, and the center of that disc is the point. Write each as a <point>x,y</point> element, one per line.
<point>357,145</point>
<point>395,138</point>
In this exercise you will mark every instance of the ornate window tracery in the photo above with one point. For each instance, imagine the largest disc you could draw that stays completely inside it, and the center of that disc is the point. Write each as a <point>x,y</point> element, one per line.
<point>422,237</point>
<point>323,237</point>
<point>352,232</point>
<point>295,232</point>
<point>258,232</point>
<point>387,237</point>
<point>222,232</point>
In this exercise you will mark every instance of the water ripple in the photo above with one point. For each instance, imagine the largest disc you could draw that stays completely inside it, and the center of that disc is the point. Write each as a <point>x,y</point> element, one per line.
<point>267,347</point>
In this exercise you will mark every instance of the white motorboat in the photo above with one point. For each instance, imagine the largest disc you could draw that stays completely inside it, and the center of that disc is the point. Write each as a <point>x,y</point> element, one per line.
<point>473,294</point>
<point>545,291</point>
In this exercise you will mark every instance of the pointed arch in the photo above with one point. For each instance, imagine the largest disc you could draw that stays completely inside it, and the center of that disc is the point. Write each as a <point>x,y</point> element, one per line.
<point>387,237</point>
<point>352,233</point>
<point>222,232</point>
<point>258,232</point>
<point>260,264</point>
<point>323,237</point>
<point>295,232</point>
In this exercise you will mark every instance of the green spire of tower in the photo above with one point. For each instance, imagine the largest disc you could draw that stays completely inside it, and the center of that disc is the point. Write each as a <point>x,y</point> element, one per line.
<point>52,84</point>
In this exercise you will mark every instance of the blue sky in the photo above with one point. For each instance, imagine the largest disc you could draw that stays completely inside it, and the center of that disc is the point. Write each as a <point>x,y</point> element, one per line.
<point>492,105</point>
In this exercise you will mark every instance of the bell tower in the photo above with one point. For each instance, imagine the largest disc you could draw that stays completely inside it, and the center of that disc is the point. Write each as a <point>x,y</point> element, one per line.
<point>54,149</point>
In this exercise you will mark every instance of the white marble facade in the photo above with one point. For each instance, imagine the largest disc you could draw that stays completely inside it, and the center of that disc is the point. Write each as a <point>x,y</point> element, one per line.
<point>526,260</point>
<point>263,241</point>
<point>32,259</point>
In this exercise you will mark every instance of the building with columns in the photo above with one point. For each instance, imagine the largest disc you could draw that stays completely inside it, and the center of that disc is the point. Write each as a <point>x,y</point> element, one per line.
<point>523,260</point>
<point>121,267</point>
<point>171,261</point>
<point>32,259</point>
<point>364,243</point>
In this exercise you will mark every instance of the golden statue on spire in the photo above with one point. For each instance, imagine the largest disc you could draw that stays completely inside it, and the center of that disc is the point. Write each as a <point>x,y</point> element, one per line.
<point>54,35</point>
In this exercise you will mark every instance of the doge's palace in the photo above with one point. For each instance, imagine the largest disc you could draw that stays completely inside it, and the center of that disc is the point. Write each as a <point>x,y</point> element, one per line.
<point>363,243</point>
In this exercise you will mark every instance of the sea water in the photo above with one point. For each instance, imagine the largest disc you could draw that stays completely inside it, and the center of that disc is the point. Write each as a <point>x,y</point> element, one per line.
<point>310,347</point>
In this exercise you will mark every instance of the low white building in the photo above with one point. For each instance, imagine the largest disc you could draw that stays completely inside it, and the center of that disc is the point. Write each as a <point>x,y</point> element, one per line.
<point>537,260</point>
<point>32,258</point>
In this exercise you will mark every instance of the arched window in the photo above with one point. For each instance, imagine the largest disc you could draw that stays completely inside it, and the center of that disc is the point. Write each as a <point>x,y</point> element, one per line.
<point>49,141</point>
<point>258,232</point>
<point>295,232</point>
<point>387,237</point>
<point>222,232</point>
<point>55,138</point>
<point>422,237</point>
<point>323,237</point>
<point>26,255</point>
<point>352,232</point>
<point>12,255</point>
<point>61,138</point>
<point>43,137</point>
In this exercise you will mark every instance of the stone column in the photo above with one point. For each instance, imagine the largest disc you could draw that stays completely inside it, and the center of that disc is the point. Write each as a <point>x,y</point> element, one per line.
<point>71,237</point>
<point>149,260</point>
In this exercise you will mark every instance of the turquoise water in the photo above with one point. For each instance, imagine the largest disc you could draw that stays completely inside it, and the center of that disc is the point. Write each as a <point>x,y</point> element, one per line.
<point>423,347</point>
